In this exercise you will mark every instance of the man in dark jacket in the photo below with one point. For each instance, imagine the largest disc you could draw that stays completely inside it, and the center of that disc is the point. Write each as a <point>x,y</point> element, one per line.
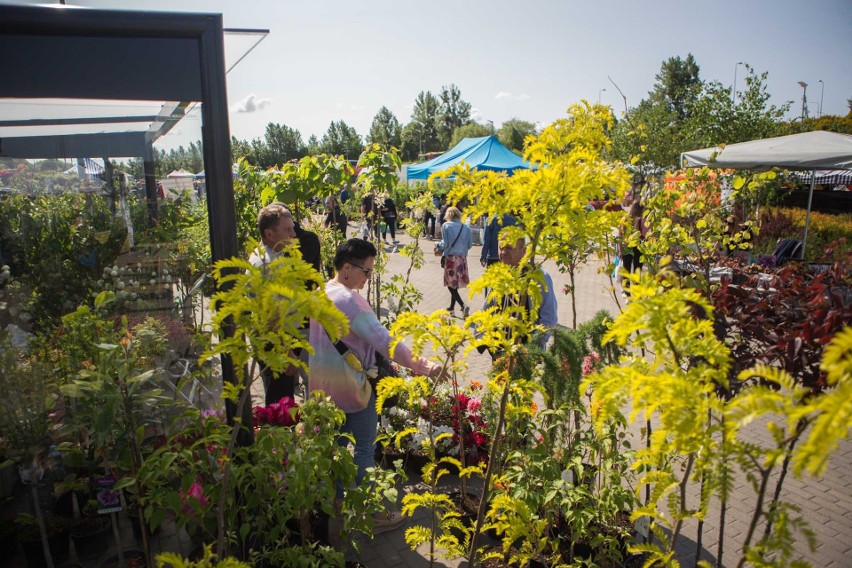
<point>490,240</point>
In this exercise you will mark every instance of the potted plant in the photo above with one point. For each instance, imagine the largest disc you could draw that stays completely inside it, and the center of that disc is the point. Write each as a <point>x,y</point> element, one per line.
<point>28,399</point>
<point>45,540</point>
<point>114,394</point>
<point>25,407</point>
<point>91,536</point>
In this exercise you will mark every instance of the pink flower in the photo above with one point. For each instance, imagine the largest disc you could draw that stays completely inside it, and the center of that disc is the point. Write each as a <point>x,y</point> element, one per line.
<point>195,493</point>
<point>590,362</point>
<point>473,405</point>
<point>282,413</point>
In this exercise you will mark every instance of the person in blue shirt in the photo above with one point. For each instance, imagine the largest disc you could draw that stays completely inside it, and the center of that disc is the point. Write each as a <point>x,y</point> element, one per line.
<point>512,254</point>
<point>454,246</point>
<point>490,240</point>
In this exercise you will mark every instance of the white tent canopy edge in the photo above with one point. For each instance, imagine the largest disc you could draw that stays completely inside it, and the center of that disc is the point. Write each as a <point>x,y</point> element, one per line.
<point>818,150</point>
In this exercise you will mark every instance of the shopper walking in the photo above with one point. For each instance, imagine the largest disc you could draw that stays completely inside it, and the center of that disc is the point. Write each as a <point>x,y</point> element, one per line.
<point>454,246</point>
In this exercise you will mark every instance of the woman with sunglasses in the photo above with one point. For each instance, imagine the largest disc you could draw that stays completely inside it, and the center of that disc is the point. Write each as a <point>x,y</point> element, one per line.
<point>353,263</point>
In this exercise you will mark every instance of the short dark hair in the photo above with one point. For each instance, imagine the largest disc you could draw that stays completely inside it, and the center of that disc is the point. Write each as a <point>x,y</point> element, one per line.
<point>268,217</point>
<point>357,250</point>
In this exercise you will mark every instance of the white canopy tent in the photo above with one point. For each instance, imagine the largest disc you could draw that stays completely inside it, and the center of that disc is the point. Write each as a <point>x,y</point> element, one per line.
<point>812,151</point>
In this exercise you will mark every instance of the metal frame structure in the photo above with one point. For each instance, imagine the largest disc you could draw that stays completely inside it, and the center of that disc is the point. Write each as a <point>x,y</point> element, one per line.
<point>138,56</point>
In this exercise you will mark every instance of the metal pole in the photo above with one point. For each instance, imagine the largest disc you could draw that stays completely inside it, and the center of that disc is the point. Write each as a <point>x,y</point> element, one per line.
<point>808,214</point>
<point>734,89</point>
<point>804,87</point>
<point>821,93</point>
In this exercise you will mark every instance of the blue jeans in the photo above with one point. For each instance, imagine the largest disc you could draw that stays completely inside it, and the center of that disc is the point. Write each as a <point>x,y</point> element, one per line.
<point>362,425</point>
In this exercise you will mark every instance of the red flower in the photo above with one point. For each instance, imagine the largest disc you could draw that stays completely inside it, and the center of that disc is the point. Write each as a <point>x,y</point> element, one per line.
<point>282,413</point>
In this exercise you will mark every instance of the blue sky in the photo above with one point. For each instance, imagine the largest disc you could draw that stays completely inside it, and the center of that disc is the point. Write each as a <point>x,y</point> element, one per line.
<point>343,60</point>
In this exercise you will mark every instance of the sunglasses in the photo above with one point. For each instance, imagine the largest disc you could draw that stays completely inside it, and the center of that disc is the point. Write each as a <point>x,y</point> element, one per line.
<point>367,271</point>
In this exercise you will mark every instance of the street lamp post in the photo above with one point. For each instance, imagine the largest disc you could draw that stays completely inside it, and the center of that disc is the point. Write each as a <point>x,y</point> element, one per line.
<point>804,87</point>
<point>821,93</point>
<point>734,89</point>
<point>599,94</point>
<point>817,107</point>
<point>421,137</point>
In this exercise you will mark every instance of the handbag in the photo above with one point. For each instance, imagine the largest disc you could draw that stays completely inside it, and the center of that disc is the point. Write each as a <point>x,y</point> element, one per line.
<point>441,251</point>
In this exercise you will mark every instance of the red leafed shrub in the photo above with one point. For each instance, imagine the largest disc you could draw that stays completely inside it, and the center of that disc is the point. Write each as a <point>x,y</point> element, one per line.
<point>785,317</point>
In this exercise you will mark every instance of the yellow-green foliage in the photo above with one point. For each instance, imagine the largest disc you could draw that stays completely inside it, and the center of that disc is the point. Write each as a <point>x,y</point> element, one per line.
<point>823,229</point>
<point>551,201</point>
<point>699,436</point>
<point>833,407</point>
<point>269,304</point>
<point>209,560</point>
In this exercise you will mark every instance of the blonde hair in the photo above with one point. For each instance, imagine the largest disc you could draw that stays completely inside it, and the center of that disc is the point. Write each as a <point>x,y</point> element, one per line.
<point>452,214</point>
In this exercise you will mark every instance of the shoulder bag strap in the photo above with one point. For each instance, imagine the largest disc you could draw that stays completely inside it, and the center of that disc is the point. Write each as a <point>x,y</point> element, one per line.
<point>444,252</point>
<point>347,354</point>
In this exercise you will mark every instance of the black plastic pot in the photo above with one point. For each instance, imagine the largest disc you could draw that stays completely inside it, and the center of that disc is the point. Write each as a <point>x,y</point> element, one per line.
<point>91,537</point>
<point>58,542</point>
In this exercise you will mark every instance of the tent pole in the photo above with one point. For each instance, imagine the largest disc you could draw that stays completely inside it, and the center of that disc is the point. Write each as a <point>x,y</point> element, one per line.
<point>808,213</point>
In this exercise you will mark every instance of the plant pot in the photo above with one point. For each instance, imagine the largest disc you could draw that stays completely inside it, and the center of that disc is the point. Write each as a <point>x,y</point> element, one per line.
<point>467,506</point>
<point>414,462</point>
<point>132,559</point>
<point>91,536</point>
<point>386,455</point>
<point>63,505</point>
<point>319,529</point>
<point>8,478</point>
<point>57,540</point>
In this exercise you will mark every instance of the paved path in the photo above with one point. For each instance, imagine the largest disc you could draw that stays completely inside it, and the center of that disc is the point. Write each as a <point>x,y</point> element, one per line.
<point>826,503</point>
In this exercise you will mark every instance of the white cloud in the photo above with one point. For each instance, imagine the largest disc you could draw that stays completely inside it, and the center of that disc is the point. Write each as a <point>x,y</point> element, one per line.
<point>252,103</point>
<point>476,114</point>
<point>502,95</point>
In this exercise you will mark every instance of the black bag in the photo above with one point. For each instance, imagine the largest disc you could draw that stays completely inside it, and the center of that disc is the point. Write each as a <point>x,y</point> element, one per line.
<point>444,256</point>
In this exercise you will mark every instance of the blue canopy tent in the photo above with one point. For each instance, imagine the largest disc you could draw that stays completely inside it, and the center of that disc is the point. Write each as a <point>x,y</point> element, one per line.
<point>485,153</point>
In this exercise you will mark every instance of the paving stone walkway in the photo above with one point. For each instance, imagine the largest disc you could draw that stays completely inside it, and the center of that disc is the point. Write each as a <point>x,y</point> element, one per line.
<point>826,503</point>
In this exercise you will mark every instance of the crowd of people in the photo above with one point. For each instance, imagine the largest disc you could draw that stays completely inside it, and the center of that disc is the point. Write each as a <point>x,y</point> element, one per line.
<point>368,338</point>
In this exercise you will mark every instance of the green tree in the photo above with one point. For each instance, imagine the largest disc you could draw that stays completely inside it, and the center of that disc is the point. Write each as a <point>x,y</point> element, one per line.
<point>513,132</point>
<point>341,139</point>
<point>683,113</point>
<point>385,129</point>
<point>283,143</point>
<point>426,115</point>
<point>469,130</point>
<point>828,122</point>
<point>452,113</point>
<point>239,149</point>
<point>677,85</point>
<point>410,141</point>
<point>313,147</point>
<point>715,119</point>
<point>652,129</point>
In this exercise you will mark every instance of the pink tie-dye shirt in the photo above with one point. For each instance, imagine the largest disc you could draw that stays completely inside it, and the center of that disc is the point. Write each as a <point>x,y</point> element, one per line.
<point>366,336</point>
